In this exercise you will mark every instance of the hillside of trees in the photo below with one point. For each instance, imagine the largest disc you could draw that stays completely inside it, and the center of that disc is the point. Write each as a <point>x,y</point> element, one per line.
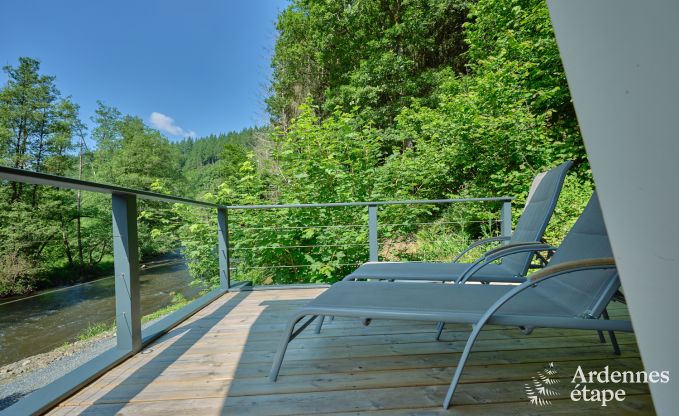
<point>419,99</point>
<point>52,236</point>
<point>369,100</point>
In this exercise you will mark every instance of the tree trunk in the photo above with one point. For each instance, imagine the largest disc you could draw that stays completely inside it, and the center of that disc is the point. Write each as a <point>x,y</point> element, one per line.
<point>39,156</point>
<point>79,216</point>
<point>45,243</point>
<point>67,246</point>
<point>19,147</point>
<point>103,251</point>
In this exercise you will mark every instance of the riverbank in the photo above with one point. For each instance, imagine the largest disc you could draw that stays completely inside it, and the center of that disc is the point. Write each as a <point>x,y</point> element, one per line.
<point>44,322</point>
<point>31,364</point>
<point>63,278</point>
<point>167,260</point>
<point>20,378</point>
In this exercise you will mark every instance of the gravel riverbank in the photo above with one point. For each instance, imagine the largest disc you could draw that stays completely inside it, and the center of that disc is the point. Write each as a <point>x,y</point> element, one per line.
<point>22,377</point>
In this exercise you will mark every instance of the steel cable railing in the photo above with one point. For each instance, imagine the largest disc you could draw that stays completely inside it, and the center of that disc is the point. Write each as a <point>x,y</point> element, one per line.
<point>230,251</point>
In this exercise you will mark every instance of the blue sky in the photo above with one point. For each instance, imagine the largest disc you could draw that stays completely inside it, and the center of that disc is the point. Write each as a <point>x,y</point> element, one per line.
<point>203,64</point>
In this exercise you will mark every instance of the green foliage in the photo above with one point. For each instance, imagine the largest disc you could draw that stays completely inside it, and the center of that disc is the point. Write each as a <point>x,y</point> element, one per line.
<point>37,122</point>
<point>133,155</point>
<point>178,302</point>
<point>376,101</point>
<point>199,243</point>
<point>36,127</point>
<point>370,100</point>
<point>94,330</point>
<point>54,236</point>
<point>574,196</point>
<point>339,153</point>
<point>15,273</point>
<point>101,328</point>
<point>339,156</point>
<point>207,162</point>
<point>371,55</point>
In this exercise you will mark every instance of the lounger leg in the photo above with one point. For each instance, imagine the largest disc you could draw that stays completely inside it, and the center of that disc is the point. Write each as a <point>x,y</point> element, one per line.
<point>319,324</point>
<point>439,330</point>
<point>278,360</point>
<point>440,326</point>
<point>460,365</point>
<point>602,339</point>
<point>611,335</point>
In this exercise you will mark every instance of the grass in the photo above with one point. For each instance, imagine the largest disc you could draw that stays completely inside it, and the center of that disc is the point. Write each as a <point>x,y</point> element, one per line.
<point>94,330</point>
<point>178,302</point>
<point>98,329</point>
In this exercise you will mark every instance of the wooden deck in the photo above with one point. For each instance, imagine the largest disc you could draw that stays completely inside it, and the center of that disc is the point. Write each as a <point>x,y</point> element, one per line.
<point>217,363</point>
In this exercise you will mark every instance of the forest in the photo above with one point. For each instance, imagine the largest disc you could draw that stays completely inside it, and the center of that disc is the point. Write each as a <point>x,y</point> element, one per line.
<point>368,100</point>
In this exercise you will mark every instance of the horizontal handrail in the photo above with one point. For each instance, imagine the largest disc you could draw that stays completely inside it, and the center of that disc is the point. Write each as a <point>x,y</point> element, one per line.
<point>375,203</point>
<point>38,178</point>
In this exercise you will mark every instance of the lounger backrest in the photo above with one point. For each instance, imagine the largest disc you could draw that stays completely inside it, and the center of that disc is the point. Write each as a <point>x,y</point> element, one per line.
<point>583,292</point>
<point>534,186</point>
<point>539,208</point>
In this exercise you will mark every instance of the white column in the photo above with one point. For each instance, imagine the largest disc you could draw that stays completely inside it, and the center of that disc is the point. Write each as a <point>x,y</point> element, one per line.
<point>622,63</point>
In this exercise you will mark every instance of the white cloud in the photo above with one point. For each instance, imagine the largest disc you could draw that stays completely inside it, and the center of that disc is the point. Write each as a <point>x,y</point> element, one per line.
<point>166,124</point>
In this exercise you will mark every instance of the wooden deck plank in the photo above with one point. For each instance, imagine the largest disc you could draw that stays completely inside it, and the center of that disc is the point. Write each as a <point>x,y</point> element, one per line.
<point>423,333</point>
<point>243,355</point>
<point>217,362</point>
<point>335,401</point>
<point>639,405</point>
<point>156,372</point>
<point>181,387</point>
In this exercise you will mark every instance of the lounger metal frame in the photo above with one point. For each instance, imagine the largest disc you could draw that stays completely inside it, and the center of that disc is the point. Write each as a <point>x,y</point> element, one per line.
<point>588,321</point>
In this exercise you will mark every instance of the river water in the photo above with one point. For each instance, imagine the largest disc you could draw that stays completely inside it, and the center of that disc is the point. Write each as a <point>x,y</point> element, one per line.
<point>44,321</point>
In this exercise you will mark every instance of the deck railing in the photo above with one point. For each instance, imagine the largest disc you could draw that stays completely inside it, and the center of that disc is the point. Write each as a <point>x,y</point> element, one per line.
<point>370,232</point>
<point>130,338</point>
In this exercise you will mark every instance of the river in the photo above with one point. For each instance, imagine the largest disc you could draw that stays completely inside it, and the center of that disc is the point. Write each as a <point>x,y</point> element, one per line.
<point>44,321</point>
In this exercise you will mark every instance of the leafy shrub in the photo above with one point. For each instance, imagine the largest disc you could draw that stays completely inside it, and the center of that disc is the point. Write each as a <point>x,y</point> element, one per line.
<point>365,114</point>
<point>17,274</point>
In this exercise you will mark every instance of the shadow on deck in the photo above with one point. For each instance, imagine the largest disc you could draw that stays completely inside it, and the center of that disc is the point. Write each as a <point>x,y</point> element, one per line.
<point>217,362</point>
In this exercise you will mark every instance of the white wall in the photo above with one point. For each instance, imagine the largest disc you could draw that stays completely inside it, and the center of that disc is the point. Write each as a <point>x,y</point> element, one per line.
<point>622,63</point>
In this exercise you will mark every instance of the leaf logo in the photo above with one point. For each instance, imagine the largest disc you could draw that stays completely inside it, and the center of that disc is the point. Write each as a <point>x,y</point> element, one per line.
<point>539,391</point>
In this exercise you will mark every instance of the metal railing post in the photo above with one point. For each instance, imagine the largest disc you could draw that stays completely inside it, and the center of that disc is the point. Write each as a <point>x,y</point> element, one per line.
<point>223,238</point>
<point>126,265</point>
<point>372,232</point>
<point>506,218</point>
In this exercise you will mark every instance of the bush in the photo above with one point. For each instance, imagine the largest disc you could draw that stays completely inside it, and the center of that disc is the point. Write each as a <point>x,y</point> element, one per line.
<point>17,274</point>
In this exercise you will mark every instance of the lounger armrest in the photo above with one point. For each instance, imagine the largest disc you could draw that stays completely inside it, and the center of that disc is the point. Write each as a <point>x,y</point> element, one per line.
<point>512,245</point>
<point>548,273</point>
<point>499,253</point>
<point>480,243</point>
<point>572,266</point>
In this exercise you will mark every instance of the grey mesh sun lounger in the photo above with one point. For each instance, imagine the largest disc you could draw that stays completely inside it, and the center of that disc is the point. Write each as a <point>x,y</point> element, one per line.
<point>530,228</point>
<point>571,292</point>
<point>525,240</point>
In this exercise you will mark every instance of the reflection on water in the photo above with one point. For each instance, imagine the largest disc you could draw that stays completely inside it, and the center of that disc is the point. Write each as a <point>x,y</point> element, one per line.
<point>41,323</point>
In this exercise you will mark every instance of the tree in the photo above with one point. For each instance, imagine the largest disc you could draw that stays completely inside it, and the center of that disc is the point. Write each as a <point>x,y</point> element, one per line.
<point>37,122</point>
<point>416,99</point>
<point>133,155</point>
<point>106,135</point>
<point>372,55</point>
<point>37,126</point>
